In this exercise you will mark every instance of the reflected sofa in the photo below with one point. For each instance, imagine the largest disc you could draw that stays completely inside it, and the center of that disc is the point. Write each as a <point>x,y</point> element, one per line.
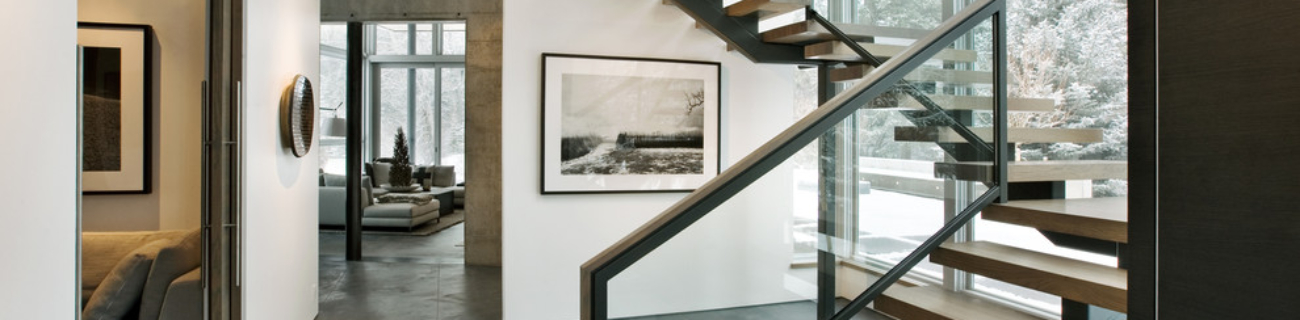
<point>149,275</point>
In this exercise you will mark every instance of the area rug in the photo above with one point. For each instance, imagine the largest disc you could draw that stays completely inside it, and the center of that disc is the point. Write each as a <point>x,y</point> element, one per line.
<point>423,230</point>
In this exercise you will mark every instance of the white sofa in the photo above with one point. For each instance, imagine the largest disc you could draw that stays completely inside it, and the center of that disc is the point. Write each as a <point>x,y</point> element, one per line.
<point>333,207</point>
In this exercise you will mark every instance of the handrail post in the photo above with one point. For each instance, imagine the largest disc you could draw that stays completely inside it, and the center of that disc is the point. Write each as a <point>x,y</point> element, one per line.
<point>1003,156</point>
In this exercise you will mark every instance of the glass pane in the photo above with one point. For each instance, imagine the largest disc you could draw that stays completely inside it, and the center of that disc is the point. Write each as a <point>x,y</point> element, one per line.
<point>426,120</point>
<point>392,39</point>
<point>331,89</point>
<point>393,100</point>
<point>453,39</point>
<point>334,35</point>
<point>453,120</point>
<point>804,228</point>
<point>424,39</point>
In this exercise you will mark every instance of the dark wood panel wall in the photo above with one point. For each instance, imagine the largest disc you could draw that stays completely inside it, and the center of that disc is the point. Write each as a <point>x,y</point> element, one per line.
<point>1227,160</point>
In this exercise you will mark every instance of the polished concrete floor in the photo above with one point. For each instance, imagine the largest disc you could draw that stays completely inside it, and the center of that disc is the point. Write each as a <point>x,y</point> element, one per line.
<point>406,277</point>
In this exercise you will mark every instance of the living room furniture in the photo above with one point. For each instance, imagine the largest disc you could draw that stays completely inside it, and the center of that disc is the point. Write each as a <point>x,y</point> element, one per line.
<point>149,275</point>
<point>441,178</point>
<point>333,206</point>
<point>431,178</point>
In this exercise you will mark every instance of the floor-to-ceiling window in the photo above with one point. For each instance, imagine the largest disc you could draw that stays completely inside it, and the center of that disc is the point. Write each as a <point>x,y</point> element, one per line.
<point>415,83</point>
<point>1070,52</point>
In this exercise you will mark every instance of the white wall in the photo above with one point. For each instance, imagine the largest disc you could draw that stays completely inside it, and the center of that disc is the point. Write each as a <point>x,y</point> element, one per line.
<point>737,256</point>
<point>280,193</point>
<point>38,133</point>
<point>178,27</point>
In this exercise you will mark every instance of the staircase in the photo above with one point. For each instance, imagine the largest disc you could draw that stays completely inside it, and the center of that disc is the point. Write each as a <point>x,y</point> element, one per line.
<point>1035,187</point>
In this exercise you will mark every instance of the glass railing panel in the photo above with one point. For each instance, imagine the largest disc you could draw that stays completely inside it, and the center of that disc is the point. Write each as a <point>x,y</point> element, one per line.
<point>754,254</point>
<point>857,201</point>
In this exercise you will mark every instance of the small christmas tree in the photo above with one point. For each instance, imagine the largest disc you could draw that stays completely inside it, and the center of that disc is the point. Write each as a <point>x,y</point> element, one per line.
<point>400,174</point>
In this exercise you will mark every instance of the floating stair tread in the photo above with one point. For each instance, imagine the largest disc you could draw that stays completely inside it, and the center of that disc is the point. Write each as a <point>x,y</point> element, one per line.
<point>1094,284</point>
<point>1017,135</point>
<point>1097,218</point>
<point>838,51</point>
<point>930,302</point>
<point>1028,171</point>
<point>971,103</point>
<point>859,71</point>
<point>810,31</point>
<point>746,7</point>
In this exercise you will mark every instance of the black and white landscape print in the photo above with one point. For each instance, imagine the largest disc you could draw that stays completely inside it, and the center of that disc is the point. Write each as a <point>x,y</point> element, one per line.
<point>629,125</point>
<point>102,104</point>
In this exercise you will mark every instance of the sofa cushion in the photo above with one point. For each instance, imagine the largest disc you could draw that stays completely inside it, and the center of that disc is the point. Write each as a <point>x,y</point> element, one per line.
<point>172,262</point>
<point>443,176</point>
<point>381,173</point>
<point>400,210</point>
<point>120,290</point>
<point>184,298</point>
<point>333,180</point>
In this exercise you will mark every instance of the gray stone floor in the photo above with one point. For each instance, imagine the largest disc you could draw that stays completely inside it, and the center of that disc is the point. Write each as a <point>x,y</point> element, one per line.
<point>405,277</point>
<point>779,311</point>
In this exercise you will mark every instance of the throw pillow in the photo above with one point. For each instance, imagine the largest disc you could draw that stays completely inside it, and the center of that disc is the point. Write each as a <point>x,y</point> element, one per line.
<point>381,173</point>
<point>173,261</point>
<point>425,176</point>
<point>120,290</point>
<point>444,176</point>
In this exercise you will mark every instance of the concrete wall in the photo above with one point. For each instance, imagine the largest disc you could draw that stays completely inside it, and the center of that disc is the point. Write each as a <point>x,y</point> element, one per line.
<point>483,103</point>
<point>178,72</point>
<point>38,130</point>
<point>739,255</point>
<point>280,194</point>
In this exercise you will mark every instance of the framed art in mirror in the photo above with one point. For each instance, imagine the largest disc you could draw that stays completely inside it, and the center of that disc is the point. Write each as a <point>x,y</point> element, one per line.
<point>116,89</point>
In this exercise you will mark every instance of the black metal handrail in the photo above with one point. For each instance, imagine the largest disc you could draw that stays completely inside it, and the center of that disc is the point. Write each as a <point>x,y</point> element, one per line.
<point>597,272</point>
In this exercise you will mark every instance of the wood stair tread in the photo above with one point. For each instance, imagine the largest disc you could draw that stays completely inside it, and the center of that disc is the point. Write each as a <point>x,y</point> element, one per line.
<point>746,7</point>
<point>1017,135</point>
<point>1097,218</point>
<point>1027,171</point>
<point>1094,284</point>
<point>948,102</point>
<point>859,71</point>
<point>810,31</point>
<point>838,51</point>
<point>930,302</point>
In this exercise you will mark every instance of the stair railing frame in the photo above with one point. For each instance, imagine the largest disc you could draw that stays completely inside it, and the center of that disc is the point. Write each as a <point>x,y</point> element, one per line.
<point>596,273</point>
<point>984,150</point>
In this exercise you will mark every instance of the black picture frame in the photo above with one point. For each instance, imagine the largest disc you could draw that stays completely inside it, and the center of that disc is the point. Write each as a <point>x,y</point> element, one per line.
<point>611,124</point>
<point>117,143</point>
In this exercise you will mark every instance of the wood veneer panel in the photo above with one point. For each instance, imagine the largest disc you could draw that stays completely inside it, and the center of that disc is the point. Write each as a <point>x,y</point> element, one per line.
<point>1229,186</point>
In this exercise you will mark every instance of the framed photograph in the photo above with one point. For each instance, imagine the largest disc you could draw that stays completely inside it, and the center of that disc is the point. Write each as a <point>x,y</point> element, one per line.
<point>116,100</point>
<point>614,124</point>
